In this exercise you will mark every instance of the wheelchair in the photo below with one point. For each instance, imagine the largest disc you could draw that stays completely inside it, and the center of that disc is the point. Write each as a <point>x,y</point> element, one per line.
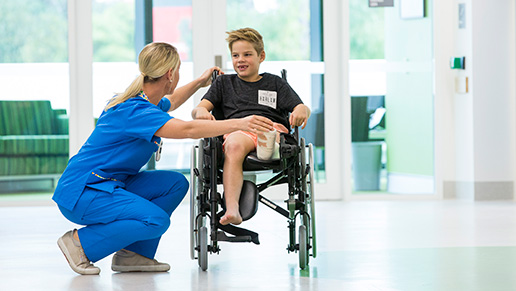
<point>295,167</point>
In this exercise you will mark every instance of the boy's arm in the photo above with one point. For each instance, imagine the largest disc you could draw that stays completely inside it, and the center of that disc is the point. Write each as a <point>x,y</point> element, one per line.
<point>299,115</point>
<point>202,111</point>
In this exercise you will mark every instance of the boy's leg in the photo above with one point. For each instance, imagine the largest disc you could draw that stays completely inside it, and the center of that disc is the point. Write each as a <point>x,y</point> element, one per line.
<point>236,148</point>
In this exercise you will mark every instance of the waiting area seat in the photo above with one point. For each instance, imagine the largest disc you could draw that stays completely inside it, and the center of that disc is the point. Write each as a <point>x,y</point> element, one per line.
<point>33,140</point>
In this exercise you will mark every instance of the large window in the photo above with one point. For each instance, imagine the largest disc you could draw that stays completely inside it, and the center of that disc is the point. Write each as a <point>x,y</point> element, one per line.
<point>390,84</point>
<point>172,23</point>
<point>34,102</point>
<point>116,48</point>
<point>114,53</point>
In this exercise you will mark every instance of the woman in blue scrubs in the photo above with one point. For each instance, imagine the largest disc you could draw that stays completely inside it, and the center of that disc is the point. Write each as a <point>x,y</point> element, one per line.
<point>126,211</point>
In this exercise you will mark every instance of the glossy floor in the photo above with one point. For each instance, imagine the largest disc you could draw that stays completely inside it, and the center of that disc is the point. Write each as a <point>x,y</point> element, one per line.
<point>362,245</point>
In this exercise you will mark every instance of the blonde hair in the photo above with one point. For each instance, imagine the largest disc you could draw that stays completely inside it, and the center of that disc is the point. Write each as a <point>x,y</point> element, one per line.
<point>154,61</point>
<point>248,34</point>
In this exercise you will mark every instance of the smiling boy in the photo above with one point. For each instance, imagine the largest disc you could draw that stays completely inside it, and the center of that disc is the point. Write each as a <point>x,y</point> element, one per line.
<point>245,93</point>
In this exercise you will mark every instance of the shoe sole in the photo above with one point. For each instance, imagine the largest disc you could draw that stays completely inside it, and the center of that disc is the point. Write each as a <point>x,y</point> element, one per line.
<point>68,257</point>
<point>122,269</point>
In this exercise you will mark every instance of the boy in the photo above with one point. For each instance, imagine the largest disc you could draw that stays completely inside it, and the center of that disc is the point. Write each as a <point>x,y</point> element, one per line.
<point>243,94</point>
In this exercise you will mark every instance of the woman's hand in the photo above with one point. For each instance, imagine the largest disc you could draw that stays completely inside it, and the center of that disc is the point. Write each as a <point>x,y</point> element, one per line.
<point>255,124</point>
<point>205,78</point>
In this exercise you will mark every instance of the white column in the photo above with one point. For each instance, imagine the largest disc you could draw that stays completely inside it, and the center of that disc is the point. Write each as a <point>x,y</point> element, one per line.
<point>208,37</point>
<point>337,115</point>
<point>444,134</point>
<point>80,58</point>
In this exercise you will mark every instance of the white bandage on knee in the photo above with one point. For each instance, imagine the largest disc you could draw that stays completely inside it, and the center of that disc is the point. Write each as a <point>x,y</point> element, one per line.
<point>266,145</point>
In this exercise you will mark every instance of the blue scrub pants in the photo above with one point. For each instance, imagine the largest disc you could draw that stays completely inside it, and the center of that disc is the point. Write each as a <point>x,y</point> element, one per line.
<point>132,218</point>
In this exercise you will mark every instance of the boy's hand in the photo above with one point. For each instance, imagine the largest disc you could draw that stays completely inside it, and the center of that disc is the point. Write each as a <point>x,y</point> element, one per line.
<point>202,113</point>
<point>205,78</point>
<point>299,116</point>
<point>256,123</point>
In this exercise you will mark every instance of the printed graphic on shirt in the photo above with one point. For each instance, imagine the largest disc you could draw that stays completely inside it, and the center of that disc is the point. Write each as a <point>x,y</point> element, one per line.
<point>267,98</point>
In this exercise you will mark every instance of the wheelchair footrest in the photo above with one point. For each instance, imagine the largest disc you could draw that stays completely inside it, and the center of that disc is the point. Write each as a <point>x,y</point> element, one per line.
<point>240,234</point>
<point>222,236</point>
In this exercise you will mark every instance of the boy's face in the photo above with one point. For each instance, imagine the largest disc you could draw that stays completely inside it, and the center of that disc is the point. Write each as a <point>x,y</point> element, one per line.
<point>246,61</point>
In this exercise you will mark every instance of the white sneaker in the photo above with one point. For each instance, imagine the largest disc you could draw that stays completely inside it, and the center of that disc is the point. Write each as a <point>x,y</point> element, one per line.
<point>127,261</point>
<point>75,255</point>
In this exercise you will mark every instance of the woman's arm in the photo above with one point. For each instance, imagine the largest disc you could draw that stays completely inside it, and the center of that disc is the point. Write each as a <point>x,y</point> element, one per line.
<point>178,129</point>
<point>182,94</point>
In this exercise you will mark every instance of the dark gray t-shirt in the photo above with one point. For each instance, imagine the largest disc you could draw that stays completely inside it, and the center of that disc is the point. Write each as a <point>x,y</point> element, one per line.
<point>271,97</point>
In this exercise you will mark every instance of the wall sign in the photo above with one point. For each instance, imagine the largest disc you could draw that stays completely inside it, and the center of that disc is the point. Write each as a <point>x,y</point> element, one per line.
<point>381,3</point>
<point>462,15</point>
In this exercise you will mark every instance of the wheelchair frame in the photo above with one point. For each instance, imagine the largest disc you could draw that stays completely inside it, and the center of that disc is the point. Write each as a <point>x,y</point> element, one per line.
<point>296,167</point>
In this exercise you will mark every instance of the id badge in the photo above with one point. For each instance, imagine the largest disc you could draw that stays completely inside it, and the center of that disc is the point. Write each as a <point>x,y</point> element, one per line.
<point>158,152</point>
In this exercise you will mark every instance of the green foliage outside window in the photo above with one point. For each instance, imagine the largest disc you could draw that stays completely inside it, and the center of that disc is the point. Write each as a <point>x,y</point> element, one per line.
<point>113,31</point>
<point>33,31</point>
<point>37,30</point>
<point>285,28</point>
<point>366,31</point>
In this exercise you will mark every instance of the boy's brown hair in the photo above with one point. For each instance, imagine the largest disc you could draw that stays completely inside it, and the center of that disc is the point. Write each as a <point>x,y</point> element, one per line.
<point>248,34</point>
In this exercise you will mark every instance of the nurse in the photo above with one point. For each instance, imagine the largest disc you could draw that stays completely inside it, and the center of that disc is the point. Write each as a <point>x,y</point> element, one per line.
<point>126,211</point>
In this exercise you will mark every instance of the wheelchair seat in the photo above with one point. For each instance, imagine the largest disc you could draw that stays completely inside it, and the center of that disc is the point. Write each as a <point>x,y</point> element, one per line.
<point>253,163</point>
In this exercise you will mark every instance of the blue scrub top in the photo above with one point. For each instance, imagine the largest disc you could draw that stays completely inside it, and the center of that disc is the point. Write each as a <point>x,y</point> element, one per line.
<point>121,144</point>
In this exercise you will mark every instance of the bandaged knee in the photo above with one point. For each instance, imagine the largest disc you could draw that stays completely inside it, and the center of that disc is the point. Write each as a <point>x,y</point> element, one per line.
<point>267,145</point>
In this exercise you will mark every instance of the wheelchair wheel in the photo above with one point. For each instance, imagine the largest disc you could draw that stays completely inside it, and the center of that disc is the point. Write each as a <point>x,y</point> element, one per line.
<point>303,247</point>
<point>308,187</point>
<point>311,199</point>
<point>203,248</point>
<point>196,163</point>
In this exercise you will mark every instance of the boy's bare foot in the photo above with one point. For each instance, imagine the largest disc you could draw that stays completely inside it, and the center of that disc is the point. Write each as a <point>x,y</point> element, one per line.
<point>231,218</point>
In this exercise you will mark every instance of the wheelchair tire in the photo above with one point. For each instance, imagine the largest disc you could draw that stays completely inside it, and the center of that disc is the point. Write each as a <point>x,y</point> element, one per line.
<point>195,189</point>
<point>303,247</point>
<point>203,248</point>
<point>311,199</point>
<point>302,162</point>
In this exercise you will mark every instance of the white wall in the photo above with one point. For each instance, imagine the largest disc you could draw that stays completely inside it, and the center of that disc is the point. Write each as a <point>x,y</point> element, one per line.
<point>481,125</point>
<point>493,88</point>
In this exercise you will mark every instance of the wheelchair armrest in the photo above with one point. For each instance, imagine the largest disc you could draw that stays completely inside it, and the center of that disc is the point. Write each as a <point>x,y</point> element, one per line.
<point>288,145</point>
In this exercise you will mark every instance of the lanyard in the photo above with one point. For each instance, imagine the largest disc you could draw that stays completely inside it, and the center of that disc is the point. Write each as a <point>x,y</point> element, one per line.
<point>158,152</point>
<point>143,96</point>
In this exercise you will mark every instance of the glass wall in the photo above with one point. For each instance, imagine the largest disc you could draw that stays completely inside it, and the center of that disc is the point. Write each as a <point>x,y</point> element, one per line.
<point>35,89</point>
<point>116,25</point>
<point>391,93</point>
<point>114,52</point>
<point>172,23</point>
<point>292,32</point>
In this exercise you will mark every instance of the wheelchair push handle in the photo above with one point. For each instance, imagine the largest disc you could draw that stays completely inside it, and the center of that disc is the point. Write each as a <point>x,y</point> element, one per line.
<point>214,76</point>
